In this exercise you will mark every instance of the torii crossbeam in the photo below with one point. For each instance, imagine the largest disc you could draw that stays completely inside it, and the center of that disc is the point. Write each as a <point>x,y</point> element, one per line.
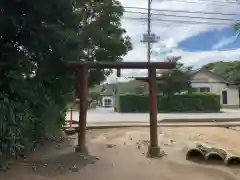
<point>84,66</point>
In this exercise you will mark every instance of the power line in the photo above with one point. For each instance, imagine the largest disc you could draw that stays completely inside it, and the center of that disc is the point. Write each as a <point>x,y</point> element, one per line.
<point>224,2</point>
<point>192,17</point>
<point>182,11</point>
<point>203,3</point>
<point>181,21</point>
<point>234,1</point>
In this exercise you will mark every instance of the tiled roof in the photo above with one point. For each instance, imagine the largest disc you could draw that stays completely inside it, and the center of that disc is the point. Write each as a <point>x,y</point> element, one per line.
<point>212,73</point>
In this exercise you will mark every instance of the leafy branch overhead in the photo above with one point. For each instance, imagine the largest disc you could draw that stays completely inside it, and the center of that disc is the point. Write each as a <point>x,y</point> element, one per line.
<point>102,37</point>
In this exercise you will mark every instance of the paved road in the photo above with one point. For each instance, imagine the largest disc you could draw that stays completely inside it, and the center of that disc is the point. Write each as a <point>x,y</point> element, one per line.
<point>105,115</point>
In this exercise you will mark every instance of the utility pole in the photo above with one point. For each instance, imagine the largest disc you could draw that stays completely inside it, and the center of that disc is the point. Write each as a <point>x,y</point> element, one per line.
<point>149,31</point>
<point>149,37</point>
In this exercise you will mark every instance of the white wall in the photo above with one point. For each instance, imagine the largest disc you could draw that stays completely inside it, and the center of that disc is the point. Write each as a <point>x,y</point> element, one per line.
<point>216,86</point>
<point>233,96</point>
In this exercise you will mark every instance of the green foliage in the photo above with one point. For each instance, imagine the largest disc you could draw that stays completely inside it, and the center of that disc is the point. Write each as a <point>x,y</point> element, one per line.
<point>102,38</point>
<point>176,80</point>
<point>132,86</point>
<point>228,70</point>
<point>37,38</point>
<point>94,96</point>
<point>140,89</point>
<point>27,117</point>
<point>195,102</point>
<point>237,27</point>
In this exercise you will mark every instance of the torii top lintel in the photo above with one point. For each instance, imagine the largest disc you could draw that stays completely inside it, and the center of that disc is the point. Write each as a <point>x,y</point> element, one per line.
<point>122,65</point>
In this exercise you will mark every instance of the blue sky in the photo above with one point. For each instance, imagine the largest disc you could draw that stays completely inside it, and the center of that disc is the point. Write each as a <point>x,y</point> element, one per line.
<point>206,41</point>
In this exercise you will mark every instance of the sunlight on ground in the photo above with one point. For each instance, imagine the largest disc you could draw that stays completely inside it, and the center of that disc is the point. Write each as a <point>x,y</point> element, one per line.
<point>121,154</point>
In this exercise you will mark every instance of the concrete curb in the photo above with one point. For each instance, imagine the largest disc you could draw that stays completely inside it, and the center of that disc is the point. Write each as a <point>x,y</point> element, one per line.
<point>197,120</point>
<point>167,121</point>
<point>107,126</point>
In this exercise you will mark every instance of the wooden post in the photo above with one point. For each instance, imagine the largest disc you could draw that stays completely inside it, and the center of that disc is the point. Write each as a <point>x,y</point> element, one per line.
<point>153,149</point>
<point>81,147</point>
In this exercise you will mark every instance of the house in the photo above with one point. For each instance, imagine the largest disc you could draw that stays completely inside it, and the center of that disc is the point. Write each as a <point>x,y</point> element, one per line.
<point>109,91</point>
<point>108,95</point>
<point>201,81</point>
<point>208,81</point>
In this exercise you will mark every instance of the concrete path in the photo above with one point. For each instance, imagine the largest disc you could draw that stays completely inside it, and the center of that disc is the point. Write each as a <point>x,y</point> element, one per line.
<point>143,124</point>
<point>107,115</point>
<point>237,110</point>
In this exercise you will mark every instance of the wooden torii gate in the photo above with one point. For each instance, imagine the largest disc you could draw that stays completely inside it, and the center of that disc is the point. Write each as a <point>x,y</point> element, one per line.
<point>83,66</point>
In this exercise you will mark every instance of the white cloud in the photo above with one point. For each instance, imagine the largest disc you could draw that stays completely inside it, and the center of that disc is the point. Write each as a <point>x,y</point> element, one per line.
<point>171,43</point>
<point>197,59</point>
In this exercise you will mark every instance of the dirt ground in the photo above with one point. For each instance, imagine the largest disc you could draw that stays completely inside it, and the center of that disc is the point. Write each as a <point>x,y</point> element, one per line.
<point>121,154</point>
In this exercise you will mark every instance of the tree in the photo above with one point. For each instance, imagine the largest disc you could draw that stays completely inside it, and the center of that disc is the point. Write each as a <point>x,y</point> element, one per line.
<point>173,58</point>
<point>102,37</point>
<point>229,71</point>
<point>37,38</point>
<point>176,80</point>
<point>237,27</point>
<point>141,89</point>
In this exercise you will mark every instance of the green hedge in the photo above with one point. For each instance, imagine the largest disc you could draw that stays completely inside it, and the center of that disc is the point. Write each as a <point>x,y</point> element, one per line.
<point>195,102</point>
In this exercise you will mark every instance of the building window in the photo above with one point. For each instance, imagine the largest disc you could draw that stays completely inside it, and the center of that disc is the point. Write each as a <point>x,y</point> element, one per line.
<point>204,89</point>
<point>107,102</point>
<point>201,89</point>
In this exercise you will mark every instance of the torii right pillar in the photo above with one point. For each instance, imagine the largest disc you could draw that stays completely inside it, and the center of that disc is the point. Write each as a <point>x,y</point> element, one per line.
<point>153,149</point>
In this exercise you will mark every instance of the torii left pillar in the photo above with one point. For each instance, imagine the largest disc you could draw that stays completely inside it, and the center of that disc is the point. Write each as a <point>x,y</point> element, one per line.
<point>81,146</point>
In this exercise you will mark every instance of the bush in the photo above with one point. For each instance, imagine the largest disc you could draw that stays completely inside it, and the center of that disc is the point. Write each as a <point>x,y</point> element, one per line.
<point>195,102</point>
<point>27,116</point>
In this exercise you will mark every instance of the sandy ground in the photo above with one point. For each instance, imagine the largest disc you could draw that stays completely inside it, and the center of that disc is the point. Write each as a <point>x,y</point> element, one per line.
<point>121,154</point>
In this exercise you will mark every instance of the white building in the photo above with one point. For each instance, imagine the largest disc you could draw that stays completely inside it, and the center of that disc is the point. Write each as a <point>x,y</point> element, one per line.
<point>207,81</point>
<point>107,97</point>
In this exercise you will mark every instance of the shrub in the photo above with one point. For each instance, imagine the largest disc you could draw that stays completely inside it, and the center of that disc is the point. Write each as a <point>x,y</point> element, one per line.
<point>195,102</point>
<point>27,118</point>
